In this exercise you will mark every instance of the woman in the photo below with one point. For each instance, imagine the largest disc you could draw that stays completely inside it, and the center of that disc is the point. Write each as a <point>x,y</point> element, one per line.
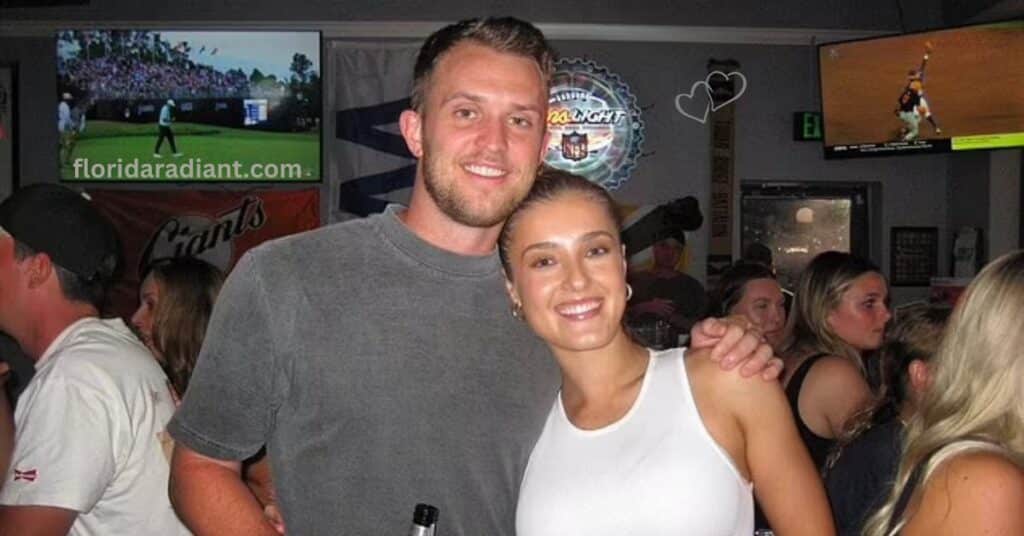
<point>175,303</point>
<point>863,464</point>
<point>638,442</point>
<point>839,313</point>
<point>750,289</point>
<point>962,470</point>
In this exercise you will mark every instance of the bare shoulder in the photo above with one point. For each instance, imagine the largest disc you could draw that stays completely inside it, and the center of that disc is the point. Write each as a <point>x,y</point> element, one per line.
<point>707,374</point>
<point>834,389</point>
<point>835,371</point>
<point>987,478</point>
<point>974,493</point>
<point>834,382</point>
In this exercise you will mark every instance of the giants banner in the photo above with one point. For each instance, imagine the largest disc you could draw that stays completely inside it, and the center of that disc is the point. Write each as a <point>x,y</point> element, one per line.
<point>216,226</point>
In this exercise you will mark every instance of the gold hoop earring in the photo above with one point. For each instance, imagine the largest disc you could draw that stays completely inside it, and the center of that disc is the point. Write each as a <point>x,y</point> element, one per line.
<point>629,292</point>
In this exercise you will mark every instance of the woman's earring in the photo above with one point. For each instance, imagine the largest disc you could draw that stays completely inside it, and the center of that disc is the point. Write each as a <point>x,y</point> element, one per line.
<point>629,292</point>
<point>517,310</point>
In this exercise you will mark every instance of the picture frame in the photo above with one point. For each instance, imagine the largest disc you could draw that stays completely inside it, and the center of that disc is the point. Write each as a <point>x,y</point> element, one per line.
<point>913,256</point>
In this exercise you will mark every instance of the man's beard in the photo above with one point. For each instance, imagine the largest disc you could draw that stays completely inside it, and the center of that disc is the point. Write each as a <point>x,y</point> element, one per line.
<point>459,208</point>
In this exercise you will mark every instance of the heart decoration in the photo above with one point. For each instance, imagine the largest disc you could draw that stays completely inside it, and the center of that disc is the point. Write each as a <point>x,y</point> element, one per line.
<point>687,100</point>
<point>703,96</point>
<point>739,92</point>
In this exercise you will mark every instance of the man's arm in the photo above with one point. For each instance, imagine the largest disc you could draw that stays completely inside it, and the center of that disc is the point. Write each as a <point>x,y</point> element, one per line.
<point>211,498</point>
<point>35,520</point>
<point>924,60</point>
<point>257,476</point>
<point>736,341</point>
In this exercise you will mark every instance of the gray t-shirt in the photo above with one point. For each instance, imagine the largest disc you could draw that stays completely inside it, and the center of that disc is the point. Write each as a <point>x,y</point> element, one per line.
<point>380,371</point>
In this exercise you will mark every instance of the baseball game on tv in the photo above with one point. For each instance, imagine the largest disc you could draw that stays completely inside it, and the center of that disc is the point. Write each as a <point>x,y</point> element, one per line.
<point>189,106</point>
<point>947,90</point>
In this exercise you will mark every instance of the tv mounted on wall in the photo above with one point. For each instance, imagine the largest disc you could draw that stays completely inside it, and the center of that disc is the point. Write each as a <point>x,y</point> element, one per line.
<point>238,105</point>
<point>953,89</point>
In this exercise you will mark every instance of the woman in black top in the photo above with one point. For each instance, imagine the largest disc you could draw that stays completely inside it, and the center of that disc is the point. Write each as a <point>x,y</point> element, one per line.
<point>840,312</point>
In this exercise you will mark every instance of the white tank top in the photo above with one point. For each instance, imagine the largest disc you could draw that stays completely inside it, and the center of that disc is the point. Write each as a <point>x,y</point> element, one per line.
<point>654,472</point>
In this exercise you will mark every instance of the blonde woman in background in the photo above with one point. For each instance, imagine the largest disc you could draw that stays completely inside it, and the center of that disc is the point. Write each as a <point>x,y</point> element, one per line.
<point>961,472</point>
<point>840,313</point>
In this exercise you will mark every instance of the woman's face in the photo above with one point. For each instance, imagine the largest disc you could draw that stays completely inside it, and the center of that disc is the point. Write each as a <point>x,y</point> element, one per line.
<point>764,305</point>
<point>569,273</point>
<point>862,313</point>
<point>142,320</point>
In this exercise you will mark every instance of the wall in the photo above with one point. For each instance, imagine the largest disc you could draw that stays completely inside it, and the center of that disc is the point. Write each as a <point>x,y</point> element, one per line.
<point>37,101</point>
<point>965,11</point>
<point>1004,202</point>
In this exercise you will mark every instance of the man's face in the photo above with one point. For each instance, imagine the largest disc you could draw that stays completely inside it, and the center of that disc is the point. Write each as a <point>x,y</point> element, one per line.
<point>667,253</point>
<point>11,283</point>
<point>482,131</point>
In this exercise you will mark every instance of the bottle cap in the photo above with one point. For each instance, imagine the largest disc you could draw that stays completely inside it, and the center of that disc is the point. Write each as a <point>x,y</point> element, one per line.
<point>425,515</point>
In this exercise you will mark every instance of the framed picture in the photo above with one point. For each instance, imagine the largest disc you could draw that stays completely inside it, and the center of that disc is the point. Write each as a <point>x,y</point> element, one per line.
<point>8,129</point>
<point>914,256</point>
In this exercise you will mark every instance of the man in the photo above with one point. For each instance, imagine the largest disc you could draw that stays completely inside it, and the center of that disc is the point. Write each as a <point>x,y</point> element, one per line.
<point>66,129</point>
<point>87,457</point>
<point>377,359</point>
<point>164,123</point>
<point>912,104</point>
<point>664,297</point>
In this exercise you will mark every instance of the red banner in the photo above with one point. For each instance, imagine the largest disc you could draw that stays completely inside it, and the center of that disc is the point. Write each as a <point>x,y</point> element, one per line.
<point>216,226</point>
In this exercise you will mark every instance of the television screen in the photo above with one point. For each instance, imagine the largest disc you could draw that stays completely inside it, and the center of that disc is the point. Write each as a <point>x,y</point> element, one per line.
<point>946,90</point>
<point>188,106</point>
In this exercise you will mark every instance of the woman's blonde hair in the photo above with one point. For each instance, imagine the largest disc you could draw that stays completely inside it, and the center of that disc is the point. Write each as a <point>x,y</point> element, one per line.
<point>819,292</point>
<point>188,288</point>
<point>977,398</point>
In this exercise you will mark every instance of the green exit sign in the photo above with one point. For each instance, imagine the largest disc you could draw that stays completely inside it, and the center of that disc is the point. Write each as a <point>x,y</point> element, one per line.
<point>807,126</point>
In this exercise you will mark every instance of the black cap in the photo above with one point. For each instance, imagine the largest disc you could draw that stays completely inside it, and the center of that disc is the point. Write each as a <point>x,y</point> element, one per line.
<point>425,515</point>
<point>65,225</point>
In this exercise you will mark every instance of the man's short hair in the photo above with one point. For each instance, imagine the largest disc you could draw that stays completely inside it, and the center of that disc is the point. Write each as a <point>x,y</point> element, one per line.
<point>81,243</point>
<point>73,286</point>
<point>504,34</point>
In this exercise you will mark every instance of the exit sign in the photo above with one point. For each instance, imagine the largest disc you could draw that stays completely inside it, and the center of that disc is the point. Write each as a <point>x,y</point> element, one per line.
<point>807,126</point>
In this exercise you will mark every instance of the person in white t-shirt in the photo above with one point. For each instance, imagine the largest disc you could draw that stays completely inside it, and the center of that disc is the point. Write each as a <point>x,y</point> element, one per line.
<point>82,453</point>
